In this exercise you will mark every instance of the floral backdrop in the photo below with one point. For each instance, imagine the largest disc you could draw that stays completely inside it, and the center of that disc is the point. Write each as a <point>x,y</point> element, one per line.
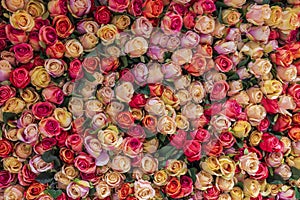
<point>150,99</point>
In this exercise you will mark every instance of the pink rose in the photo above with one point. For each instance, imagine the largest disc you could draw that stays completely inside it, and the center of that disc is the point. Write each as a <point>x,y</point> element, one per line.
<point>78,8</point>
<point>57,7</point>
<point>53,94</point>
<point>190,39</point>
<point>142,27</point>
<point>219,90</point>
<point>15,36</point>
<point>42,109</point>
<point>6,92</point>
<point>177,140</point>
<point>223,63</point>
<point>135,7</point>
<point>189,20</point>
<point>171,23</point>
<point>118,5</point>
<point>34,40</point>
<point>75,69</point>
<point>23,52</point>
<point>49,127</point>
<point>47,34</point>
<point>208,6</point>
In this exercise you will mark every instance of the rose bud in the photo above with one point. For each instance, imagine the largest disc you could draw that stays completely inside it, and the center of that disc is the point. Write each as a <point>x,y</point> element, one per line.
<point>282,123</point>
<point>57,50</point>
<point>263,125</point>
<point>274,159</point>
<point>270,143</point>
<point>85,163</point>
<point>42,109</point>
<point>102,15</point>
<point>189,20</point>
<point>89,41</point>
<point>223,63</point>
<point>213,148</point>
<point>24,17</point>
<point>75,69</point>
<point>38,165</point>
<point>251,188</point>
<point>55,67</point>
<point>49,127</point>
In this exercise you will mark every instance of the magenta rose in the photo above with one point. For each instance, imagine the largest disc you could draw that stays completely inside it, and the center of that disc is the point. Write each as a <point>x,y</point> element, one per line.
<point>23,52</point>
<point>53,94</point>
<point>118,5</point>
<point>47,34</point>
<point>171,23</point>
<point>200,135</point>
<point>177,140</point>
<point>192,150</point>
<point>270,143</point>
<point>75,69</point>
<point>42,109</point>
<point>15,36</point>
<point>6,179</point>
<point>232,109</point>
<point>49,127</point>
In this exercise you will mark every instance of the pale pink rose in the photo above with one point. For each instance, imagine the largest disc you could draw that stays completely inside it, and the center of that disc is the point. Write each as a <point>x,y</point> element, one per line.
<point>259,33</point>
<point>182,56</point>
<point>78,8</point>
<point>190,39</point>
<point>173,43</point>
<point>258,14</point>
<point>142,27</point>
<point>155,74</point>
<point>38,165</point>
<point>136,47</point>
<point>171,70</point>
<point>219,90</point>
<point>140,72</point>
<point>225,47</point>
<point>156,53</point>
<point>234,34</point>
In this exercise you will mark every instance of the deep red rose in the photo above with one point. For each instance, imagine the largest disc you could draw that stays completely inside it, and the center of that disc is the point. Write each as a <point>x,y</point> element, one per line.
<point>271,105</point>
<point>102,15</point>
<point>26,176</point>
<point>186,185</point>
<point>213,148</point>
<point>23,52</point>
<point>226,139</point>
<point>200,134</point>
<point>85,163</point>
<point>178,8</point>
<point>75,69</point>
<point>6,179</point>
<point>270,143</point>
<point>45,145</point>
<point>2,45</point>
<point>61,138</point>
<point>91,177</point>
<point>192,150</point>
<point>42,109</point>
<point>282,123</point>
<point>2,31</point>
<point>38,61</point>
<point>138,101</point>
<point>135,7</point>
<point>6,92</point>
<point>49,127</point>
<point>211,193</point>
<point>232,109</point>
<point>177,140</point>
<point>19,77</point>
<point>39,23</point>
<point>262,172</point>
<point>273,35</point>
<point>263,125</point>
<point>74,142</point>
<point>5,148</point>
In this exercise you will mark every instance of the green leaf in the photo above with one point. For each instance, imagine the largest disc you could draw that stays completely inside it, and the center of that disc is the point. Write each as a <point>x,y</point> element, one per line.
<point>275,179</point>
<point>240,184</point>
<point>221,4</point>
<point>243,62</point>
<point>89,76</point>
<point>54,193</point>
<point>42,44</point>
<point>8,116</point>
<point>297,193</point>
<point>45,177</point>
<point>165,150</point>
<point>192,173</point>
<point>295,173</point>
<point>162,137</point>
<point>45,15</point>
<point>144,90</point>
<point>220,15</point>
<point>124,62</point>
<point>49,157</point>
<point>233,77</point>
<point>266,2</point>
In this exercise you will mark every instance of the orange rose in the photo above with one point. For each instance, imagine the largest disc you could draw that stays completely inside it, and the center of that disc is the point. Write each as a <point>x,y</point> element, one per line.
<point>282,57</point>
<point>294,133</point>
<point>173,188</point>
<point>34,190</point>
<point>125,191</point>
<point>150,123</point>
<point>63,26</point>
<point>152,8</point>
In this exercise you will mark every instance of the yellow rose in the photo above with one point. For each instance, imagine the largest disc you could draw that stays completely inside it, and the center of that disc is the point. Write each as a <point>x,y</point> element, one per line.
<point>253,49</point>
<point>286,145</point>
<point>166,125</point>
<point>183,96</point>
<point>169,97</point>
<point>265,188</point>
<point>70,171</point>
<point>74,48</point>
<point>22,20</point>
<point>227,167</point>
<point>276,16</point>
<point>63,117</point>
<point>249,163</point>
<point>224,184</point>
<point>204,180</point>
<point>29,95</point>
<point>150,146</point>
<point>14,192</point>
<point>251,188</point>
<point>287,74</point>
<point>289,20</point>
<point>255,95</point>
<point>110,138</point>
<point>107,33</point>
<point>14,105</point>
<point>114,179</point>
<point>271,88</point>
<point>149,165</point>
<point>255,114</point>
<point>40,77</point>
<point>176,167</point>
<point>102,190</point>
<point>182,122</point>
<point>35,8</point>
<point>160,178</point>
<point>93,107</point>
<point>62,180</point>
<point>13,5</point>
<point>12,164</point>
<point>231,16</point>
<point>255,138</point>
<point>121,21</point>
<point>212,166</point>
<point>260,67</point>
<point>121,164</point>
<point>88,41</point>
<point>241,129</point>
<point>204,24</point>
<point>237,193</point>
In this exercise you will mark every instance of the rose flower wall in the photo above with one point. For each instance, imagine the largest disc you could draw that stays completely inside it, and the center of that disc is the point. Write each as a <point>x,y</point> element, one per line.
<point>150,99</point>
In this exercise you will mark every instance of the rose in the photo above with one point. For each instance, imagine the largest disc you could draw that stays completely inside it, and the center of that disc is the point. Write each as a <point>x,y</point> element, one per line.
<point>226,139</point>
<point>53,94</point>
<point>171,23</point>
<point>192,150</point>
<point>231,16</point>
<point>135,7</point>
<point>208,6</point>
<point>45,145</point>
<point>282,123</point>
<point>90,64</point>
<point>150,123</point>
<point>132,147</point>
<point>124,92</point>
<point>14,191</point>
<point>55,67</point>
<point>137,101</point>
<point>13,6</point>
<point>34,40</point>
<point>79,8</point>
<point>182,56</point>
<point>152,9</point>
<point>232,109</point>
<point>67,155</point>
<point>270,105</point>
<point>289,20</point>
<point>225,185</point>
<point>251,188</point>
<point>249,163</point>
<point>29,95</point>
<point>271,88</point>
<point>109,64</point>
<point>262,172</point>
<point>85,163</point>
<point>107,34</point>
<point>35,8</point>
<point>223,63</point>
<point>263,125</point>
<point>219,90</point>
<point>287,74</point>
<point>12,164</point>
<point>6,179</point>
<point>74,142</point>
<point>136,47</point>
<point>190,39</point>
<point>258,14</point>
<point>22,20</point>
<point>57,7</point>
<point>63,26</point>
<point>121,21</point>
<point>270,143</point>
<point>15,36</point>
<point>143,190</point>
<point>42,109</point>
<point>203,180</point>
<point>102,15</point>
<point>57,50</point>
<point>88,41</point>
<point>38,165</point>
<point>173,188</point>
<point>118,6</point>
<point>49,127</point>
<point>211,193</point>
<point>74,48</point>
<point>125,191</point>
<point>6,92</point>
<point>110,138</point>
<point>294,91</point>
<point>149,164</point>
<point>39,77</point>
<point>14,105</point>
<point>39,23</point>
<point>142,27</point>
<point>235,3</point>
<point>5,148</point>
<point>87,26</point>
<point>48,35</point>
<point>78,189</point>
<point>113,179</point>
<point>204,24</point>
<point>294,133</point>
<point>5,70</point>
<point>213,147</point>
<point>75,69</point>
<point>282,57</point>
<point>34,190</point>
<point>23,52</point>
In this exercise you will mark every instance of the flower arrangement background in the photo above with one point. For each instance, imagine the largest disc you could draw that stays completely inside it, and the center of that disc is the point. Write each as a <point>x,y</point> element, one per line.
<point>150,99</point>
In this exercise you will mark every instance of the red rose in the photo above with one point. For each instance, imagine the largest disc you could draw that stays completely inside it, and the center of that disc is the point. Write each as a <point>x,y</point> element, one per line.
<point>2,45</point>
<point>270,143</point>
<point>263,125</point>
<point>5,148</point>
<point>2,31</point>
<point>26,176</point>
<point>219,90</point>
<point>192,150</point>
<point>232,109</point>
<point>15,36</point>
<point>189,20</point>
<point>67,155</point>
<point>152,8</point>
<point>125,120</point>
<point>138,101</point>
<point>200,134</point>
<point>223,63</point>
<point>262,172</point>
<point>102,15</point>
<point>177,8</point>
<point>156,89</point>
<point>282,123</point>
<point>45,145</point>
<point>125,191</point>
<point>47,34</point>
<point>6,179</point>
<point>63,26</point>
<point>211,193</point>
<point>294,91</point>
<point>186,185</point>
<point>61,138</point>
<point>135,7</point>
<point>23,52</point>
<point>173,188</point>
<point>213,148</point>
<point>19,77</point>
<point>42,109</point>
<point>271,105</point>
<point>177,140</point>
<point>226,139</point>
<point>274,35</point>
<point>49,127</point>
<point>91,177</point>
<point>39,22</point>
<point>75,69</point>
<point>74,142</point>
<point>85,163</point>
<point>53,94</point>
<point>6,92</point>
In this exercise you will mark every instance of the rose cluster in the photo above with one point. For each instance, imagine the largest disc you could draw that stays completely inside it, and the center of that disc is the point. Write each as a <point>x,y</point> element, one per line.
<point>150,99</point>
